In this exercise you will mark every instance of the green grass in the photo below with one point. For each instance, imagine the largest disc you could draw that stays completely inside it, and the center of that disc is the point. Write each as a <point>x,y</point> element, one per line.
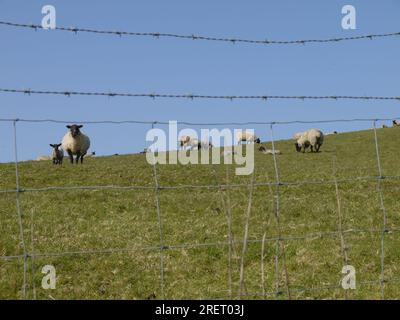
<point>85,220</point>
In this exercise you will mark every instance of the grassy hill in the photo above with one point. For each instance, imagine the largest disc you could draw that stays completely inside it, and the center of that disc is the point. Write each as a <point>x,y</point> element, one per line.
<point>198,260</point>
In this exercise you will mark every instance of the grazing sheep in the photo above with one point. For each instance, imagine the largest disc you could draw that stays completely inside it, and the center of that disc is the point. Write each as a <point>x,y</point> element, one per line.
<point>311,138</point>
<point>44,158</point>
<point>75,143</point>
<point>92,155</point>
<point>330,133</point>
<point>247,137</point>
<point>194,144</point>
<point>58,153</point>
<point>396,123</point>
<point>184,141</point>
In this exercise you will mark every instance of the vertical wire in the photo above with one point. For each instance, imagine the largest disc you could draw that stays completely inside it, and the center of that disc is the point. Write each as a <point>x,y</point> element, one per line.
<point>384,227</point>
<point>18,204</point>
<point>162,246</point>
<point>277,217</point>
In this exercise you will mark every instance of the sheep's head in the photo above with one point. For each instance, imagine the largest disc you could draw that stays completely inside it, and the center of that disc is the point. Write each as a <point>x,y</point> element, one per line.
<point>298,147</point>
<point>55,146</point>
<point>75,130</point>
<point>257,141</point>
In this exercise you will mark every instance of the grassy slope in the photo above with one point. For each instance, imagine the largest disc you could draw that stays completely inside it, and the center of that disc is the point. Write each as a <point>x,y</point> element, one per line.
<point>99,219</point>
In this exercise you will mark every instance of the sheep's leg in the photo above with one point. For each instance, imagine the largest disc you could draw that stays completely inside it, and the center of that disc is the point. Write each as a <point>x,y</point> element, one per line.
<point>71,156</point>
<point>312,148</point>
<point>78,155</point>
<point>317,147</point>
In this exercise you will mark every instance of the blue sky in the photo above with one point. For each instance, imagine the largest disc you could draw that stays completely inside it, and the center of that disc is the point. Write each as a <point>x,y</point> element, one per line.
<point>60,60</point>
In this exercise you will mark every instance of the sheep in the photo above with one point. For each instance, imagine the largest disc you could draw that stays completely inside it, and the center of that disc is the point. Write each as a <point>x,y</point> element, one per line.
<point>384,126</point>
<point>184,141</point>
<point>75,143</point>
<point>269,151</point>
<point>91,155</point>
<point>44,158</point>
<point>58,154</point>
<point>194,144</point>
<point>330,133</point>
<point>311,138</point>
<point>396,123</point>
<point>247,137</point>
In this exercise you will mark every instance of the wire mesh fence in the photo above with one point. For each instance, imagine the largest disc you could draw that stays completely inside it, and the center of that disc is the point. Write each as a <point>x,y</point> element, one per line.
<point>282,285</point>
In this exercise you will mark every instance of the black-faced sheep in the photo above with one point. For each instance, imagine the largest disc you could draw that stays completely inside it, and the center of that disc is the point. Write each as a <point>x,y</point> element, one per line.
<point>75,143</point>
<point>58,154</point>
<point>396,123</point>
<point>246,137</point>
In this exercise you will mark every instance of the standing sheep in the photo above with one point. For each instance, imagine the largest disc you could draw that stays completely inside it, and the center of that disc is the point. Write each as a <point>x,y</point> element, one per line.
<point>247,137</point>
<point>58,153</point>
<point>396,123</point>
<point>75,143</point>
<point>313,138</point>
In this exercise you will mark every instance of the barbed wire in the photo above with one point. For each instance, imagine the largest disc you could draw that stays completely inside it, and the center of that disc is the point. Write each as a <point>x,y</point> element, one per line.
<point>70,93</point>
<point>233,40</point>
<point>186,123</point>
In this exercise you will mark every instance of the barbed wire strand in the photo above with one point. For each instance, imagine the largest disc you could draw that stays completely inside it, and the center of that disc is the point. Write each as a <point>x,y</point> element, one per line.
<point>150,122</point>
<point>383,208</point>
<point>232,40</point>
<point>19,213</point>
<point>69,93</point>
<point>280,245</point>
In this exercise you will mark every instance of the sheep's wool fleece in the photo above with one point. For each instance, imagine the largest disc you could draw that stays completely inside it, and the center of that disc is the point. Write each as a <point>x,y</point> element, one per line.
<point>80,143</point>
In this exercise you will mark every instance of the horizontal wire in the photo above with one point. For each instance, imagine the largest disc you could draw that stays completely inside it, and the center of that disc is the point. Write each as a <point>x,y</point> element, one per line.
<point>219,186</point>
<point>315,235</point>
<point>69,93</point>
<point>156,122</point>
<point>234,40</point>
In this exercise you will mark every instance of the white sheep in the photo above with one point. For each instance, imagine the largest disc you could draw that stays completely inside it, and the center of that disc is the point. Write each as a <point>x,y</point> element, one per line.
<point>247,137</point>
<point>44,158</point>
<point>196,144</point>
<point>184,141</point>
<point>313,138</point>
<point>269,151</point>
<point>396,123</point>
<point>75,143</point>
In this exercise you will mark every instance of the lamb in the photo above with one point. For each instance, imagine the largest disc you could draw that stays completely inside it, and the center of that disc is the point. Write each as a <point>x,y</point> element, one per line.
<point>75,143</point>
<point>269,151</point>
<point>311,138</point>
<point>396,123</point>
<point>247,137</point>
<point>58,154</point>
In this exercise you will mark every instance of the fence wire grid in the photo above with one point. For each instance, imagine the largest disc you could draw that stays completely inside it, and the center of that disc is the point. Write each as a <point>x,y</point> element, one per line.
<point>275,187</point>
